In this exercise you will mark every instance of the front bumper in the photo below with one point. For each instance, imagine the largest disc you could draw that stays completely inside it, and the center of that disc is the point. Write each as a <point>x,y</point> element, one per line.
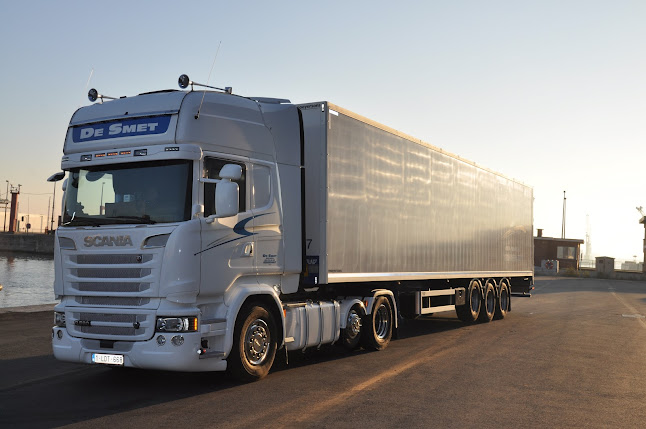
<point>139,354</point>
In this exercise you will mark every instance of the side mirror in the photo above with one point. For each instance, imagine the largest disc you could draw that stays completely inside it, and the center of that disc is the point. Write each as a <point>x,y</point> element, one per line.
<point>227,194</point>
<point>56,177</point>
<point>231,172</point>
<point>226,199</point>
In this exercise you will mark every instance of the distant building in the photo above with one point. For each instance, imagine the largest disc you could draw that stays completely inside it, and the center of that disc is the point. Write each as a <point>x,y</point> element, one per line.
<point>632,266</point>
<point>565,250</point>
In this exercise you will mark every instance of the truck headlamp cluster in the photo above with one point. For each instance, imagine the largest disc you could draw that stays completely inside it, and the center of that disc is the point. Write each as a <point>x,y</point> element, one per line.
<point>176,324</point>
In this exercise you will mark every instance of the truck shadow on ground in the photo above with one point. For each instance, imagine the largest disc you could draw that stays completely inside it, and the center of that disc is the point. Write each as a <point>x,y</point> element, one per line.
<point>407,329</point>
<point>68,393</point>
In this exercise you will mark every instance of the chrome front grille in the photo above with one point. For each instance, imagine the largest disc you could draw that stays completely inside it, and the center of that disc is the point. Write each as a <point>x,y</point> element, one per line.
<point>111,325</point>
<point>111,259</point>
<point>112,296</point>
<point>113,318</point>
<point>111,273</point>
<point>111,287</point>
<point>117,301</point>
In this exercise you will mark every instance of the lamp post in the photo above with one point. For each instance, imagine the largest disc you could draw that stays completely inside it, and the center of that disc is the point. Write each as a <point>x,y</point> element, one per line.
<point>6,203</point>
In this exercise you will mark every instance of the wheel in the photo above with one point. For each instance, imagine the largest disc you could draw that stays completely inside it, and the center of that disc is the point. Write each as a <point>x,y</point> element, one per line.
<point>502,303</point>
<point>470,311</point>
<point>377,327</point>
<point>488,303</point>
<point>351,334</point>
<point>254,344</point>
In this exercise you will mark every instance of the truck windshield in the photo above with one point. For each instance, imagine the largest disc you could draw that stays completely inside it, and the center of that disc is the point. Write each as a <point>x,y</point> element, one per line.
<point>150,192</point>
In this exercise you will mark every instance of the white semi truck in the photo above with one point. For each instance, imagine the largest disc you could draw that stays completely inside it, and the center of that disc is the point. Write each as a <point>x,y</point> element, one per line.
<point>205,231</point>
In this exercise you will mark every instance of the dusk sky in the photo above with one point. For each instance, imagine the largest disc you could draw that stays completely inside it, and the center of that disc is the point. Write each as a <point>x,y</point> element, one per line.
<point>552,93</point>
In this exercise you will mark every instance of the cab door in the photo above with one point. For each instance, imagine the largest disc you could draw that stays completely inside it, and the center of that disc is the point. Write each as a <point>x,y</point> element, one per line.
<point>269,255</point>
<point>228,243</point>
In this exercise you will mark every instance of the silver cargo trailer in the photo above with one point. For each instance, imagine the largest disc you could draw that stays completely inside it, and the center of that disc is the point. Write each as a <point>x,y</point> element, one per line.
<point>384,206</point>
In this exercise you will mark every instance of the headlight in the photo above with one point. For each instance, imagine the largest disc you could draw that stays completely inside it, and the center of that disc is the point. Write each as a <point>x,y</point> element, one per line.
<point>59,319</point>
<point>176,324</point>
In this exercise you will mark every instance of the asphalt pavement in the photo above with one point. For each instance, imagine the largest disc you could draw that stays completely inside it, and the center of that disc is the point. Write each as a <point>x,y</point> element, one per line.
<point>572,355</point>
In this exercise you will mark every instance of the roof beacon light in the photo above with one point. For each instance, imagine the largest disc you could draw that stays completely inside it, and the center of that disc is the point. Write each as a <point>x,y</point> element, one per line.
<point>94,95</point>
<point>184,81</point>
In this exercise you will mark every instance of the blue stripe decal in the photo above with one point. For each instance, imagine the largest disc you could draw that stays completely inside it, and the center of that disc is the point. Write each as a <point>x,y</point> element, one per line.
<point>239,228</point>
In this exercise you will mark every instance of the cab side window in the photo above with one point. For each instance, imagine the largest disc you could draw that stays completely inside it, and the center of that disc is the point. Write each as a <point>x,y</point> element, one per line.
<point>212,167</point>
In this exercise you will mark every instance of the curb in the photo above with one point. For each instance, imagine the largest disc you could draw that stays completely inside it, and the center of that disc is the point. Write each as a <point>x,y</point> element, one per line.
<point>28,309</point>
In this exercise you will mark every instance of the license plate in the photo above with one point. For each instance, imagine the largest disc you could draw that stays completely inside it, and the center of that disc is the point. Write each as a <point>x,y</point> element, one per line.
<point>107,359</point>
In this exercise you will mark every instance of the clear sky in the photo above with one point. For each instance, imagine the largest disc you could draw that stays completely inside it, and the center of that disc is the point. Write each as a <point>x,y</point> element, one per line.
<point>552,93</point>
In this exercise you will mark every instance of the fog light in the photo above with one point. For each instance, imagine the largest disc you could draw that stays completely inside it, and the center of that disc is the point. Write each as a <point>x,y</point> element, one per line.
<point>177,340</point>
<point>59,334</point>
<point>161,340</point>
<point>59,319</point>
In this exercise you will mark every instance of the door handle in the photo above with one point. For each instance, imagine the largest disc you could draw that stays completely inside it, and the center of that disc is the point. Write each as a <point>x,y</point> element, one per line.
<point>248,249</point>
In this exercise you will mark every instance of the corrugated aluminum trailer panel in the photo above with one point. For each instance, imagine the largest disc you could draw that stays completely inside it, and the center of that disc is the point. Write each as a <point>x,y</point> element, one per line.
<point>396,208</point>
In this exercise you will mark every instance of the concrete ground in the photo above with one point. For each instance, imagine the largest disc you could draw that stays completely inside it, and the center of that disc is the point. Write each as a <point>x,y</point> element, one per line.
<point>572,355</point>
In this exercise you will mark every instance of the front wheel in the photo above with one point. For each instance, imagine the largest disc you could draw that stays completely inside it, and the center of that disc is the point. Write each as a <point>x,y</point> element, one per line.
<point>254,344</point>
<point>377,327</point>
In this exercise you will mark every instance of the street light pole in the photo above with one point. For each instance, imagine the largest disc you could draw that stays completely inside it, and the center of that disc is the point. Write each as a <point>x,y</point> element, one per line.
<point>5,206</point>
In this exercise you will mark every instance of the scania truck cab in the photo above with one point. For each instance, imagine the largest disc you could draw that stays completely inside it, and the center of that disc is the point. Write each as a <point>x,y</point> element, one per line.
<point>154,265</point>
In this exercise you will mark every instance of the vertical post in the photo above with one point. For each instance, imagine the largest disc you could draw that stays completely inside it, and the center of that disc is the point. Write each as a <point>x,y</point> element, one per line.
<point>563,224</point>
<point>643,222</point>
<point>5,206</point>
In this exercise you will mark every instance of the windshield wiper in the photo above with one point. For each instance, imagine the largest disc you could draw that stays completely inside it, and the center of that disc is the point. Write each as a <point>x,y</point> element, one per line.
<point>141,219</point>
<point>83,221</point>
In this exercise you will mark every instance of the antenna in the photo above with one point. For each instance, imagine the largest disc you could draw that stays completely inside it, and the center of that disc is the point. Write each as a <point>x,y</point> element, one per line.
<point>87,84</point>
<point>184,81</point>
<point>640,209</point>
<point>208,80</point>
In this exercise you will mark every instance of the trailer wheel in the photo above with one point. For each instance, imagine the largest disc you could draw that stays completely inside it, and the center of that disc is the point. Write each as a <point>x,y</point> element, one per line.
<point>377,327</point>
<point>254,344</point>
<point>470,311</point>
<point>488,303</point>
<point>502,303</point>
<point>351,334</point>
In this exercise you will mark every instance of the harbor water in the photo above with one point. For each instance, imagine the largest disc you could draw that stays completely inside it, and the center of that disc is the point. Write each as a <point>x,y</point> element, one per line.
<point>26,279</point>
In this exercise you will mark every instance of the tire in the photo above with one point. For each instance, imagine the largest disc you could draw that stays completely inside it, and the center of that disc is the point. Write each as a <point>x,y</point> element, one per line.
<point>377,327</point>
<point>351,334</point>
<point>469,312</point>
<point>488,303</point>
<point>502,303</point>
<point>254,344</point>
